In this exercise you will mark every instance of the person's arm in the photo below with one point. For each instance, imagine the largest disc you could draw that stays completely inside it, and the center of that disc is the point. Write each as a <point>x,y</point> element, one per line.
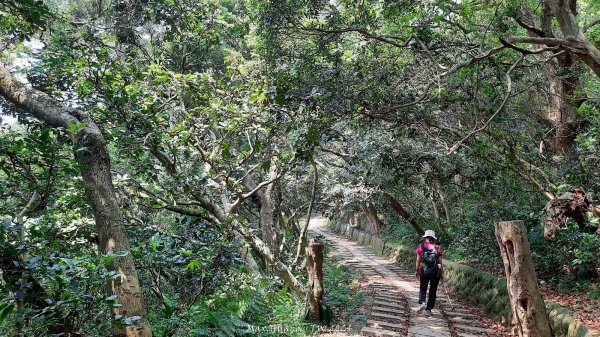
<point>418,272</point>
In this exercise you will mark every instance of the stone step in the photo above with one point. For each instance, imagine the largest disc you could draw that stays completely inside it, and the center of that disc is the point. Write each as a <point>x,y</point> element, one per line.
<point>382,315</point>
<point>426,331</point>
<point>385,324</point>
<point>471,328</point>
<point>437,300</point>
<point>460,314</point>
<point>388,298</point>
<point>395,311</point>
<point>379,332</point>
<point>387,303</point>
<point>435,320</point>
<point>462,320</point>
<point>386,293</point>
<point>459,310</point>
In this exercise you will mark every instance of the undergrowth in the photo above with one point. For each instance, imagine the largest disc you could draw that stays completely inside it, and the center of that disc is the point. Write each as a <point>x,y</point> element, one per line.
<point>247,306</point>
<point>253,306</point>
<point>342,292</point>
<point>340,286</point>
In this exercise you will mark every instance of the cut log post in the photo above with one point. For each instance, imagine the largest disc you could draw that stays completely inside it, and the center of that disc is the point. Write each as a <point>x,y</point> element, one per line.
<point>314,269</point>
<point>529,311</point>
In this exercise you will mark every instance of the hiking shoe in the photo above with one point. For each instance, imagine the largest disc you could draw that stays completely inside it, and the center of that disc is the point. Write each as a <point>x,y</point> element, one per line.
<point>428,313</point>
<point>421,309</point>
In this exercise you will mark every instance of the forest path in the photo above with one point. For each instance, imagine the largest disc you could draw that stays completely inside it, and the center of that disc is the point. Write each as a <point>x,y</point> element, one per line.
<point>395,295</point>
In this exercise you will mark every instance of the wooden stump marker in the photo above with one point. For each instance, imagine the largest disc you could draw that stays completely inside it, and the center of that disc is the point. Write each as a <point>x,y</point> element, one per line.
<point>314,269</point>
<point>529,311</point>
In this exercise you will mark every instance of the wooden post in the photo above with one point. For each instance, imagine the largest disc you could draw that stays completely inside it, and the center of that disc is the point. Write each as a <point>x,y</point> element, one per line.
<point>529,311</point>
<point>314,269</point>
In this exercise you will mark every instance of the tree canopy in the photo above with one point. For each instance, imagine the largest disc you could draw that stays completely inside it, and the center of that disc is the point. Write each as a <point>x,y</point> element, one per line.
<point>172,148</point>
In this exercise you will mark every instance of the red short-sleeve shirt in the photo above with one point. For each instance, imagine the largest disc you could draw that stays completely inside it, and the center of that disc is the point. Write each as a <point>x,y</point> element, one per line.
<point>428,245</point>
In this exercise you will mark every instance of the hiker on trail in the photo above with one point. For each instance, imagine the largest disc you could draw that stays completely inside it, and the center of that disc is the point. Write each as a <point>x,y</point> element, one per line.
<point>429,270</point>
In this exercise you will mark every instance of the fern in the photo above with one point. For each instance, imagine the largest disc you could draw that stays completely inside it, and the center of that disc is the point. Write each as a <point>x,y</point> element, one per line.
<point>248,308</point>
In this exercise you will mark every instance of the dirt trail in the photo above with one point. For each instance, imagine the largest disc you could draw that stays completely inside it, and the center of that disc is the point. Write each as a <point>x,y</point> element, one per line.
<point>395,295</point>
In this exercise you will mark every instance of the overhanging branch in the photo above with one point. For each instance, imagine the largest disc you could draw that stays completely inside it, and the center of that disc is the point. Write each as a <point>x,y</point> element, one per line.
<point>500,108</point>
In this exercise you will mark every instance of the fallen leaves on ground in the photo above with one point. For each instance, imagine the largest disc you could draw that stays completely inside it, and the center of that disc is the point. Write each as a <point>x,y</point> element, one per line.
<point>587,311</point>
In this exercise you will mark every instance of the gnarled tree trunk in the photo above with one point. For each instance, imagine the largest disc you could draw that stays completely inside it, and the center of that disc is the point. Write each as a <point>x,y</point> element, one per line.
<point>565,12</point>
<point>562,113</point>
<point>529,311</point>
<point>371,212</point>
<point>91,154</point>
<point>269,202</point>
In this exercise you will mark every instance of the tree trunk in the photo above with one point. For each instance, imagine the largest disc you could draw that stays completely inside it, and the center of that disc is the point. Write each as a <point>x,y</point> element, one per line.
<point>270,212</point>
<point>565,16</point>
<point>302,238</point>
<point>293,222</point>
<point>444,205</point>
<point>436,215</point>
<point>529,311</point>
<point>562,112</point>
<point>92,156</point>
<point>95,170</point>
<point>314,269</point>
<point>281,269</point>
<point>371,212</point>
<point>403,213</point>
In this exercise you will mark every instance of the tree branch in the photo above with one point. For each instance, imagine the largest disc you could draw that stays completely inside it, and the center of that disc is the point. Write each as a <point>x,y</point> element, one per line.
<point>242,197</point>
<point>403,213</point>
<point>576,46</point>
<point>38,103</point>
<point>500,108</point>
<point>530,28</point>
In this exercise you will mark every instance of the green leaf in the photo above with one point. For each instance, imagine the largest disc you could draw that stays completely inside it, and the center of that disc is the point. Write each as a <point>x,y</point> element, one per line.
<point>5,309</point>
<point>76,127</point>
<point>193,265</point>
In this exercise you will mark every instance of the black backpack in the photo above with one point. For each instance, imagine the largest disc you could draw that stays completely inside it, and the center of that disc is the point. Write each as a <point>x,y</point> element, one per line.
<point>429,260</point>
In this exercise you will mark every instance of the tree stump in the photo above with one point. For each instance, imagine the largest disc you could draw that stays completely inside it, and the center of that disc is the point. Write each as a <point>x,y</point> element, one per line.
<point>314,269</point>
<point>529,311</point>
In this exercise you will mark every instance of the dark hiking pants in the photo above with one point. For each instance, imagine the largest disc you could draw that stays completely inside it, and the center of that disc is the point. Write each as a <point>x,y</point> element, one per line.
<point>425,281</point>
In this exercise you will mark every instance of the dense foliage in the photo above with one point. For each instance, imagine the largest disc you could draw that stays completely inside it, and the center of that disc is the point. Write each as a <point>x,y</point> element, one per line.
<point>217,116</point>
